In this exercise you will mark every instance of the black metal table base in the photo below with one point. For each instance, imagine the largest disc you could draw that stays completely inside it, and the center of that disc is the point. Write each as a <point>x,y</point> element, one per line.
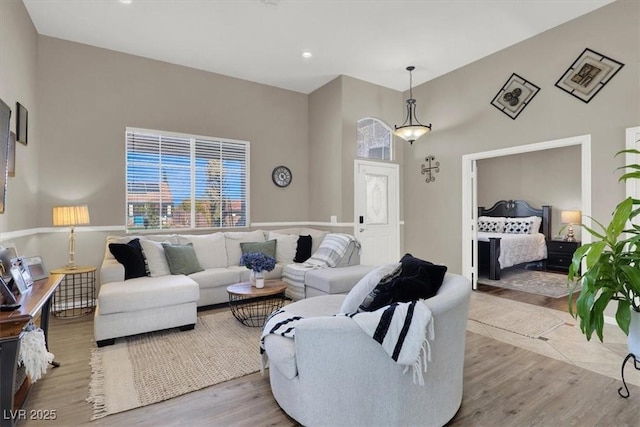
<point>624,383</point>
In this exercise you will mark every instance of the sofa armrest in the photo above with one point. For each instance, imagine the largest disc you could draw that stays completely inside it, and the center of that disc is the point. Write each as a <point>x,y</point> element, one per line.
<point>111,271</point>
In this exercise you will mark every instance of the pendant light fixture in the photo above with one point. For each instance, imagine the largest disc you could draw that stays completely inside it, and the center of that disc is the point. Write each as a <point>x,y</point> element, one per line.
<point>411,129</point>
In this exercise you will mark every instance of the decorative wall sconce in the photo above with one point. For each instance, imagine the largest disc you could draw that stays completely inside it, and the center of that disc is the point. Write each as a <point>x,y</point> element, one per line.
<point>433,167</point>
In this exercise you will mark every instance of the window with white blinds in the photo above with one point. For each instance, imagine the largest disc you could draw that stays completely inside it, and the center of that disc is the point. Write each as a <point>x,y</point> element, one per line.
<point>179,181</point>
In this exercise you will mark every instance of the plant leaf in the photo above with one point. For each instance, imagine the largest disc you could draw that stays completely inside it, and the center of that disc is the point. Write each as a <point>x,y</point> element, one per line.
<point>623,315</point>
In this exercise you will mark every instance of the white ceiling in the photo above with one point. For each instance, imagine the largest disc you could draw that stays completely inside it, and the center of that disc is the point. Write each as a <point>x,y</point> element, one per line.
<point>262,40</point>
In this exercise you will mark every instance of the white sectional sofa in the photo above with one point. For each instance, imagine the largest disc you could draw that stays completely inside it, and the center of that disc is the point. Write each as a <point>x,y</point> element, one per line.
<point>163,300</point>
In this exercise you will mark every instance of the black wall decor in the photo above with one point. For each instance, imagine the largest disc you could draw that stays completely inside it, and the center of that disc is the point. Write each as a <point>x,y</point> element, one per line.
<point>514,96</point>
<point>430,168</point>
<point>22,124</point>
<point>588,74</point>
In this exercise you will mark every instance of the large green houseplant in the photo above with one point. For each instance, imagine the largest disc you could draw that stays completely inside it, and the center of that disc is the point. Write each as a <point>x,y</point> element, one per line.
<point>611,270</point>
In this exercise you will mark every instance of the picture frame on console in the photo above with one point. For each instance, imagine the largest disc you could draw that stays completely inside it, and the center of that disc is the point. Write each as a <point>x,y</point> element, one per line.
<point>6,293</point>
<point>36,268</point>
<point>20,274</point>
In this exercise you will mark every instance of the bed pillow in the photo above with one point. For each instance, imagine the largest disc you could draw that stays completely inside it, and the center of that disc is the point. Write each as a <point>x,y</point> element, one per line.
<point>365,285</point>
<point>181,259</point>
<point>491,224</point>
<point>303,250</point>
<point>520,226</point>
<point>130,256</point>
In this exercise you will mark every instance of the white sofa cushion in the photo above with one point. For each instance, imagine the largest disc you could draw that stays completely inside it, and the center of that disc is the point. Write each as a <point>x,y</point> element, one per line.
<point>286,246</point>
<point>365,286</point>
<point>214,277</point>
<point>210,249</point>
<point>143,293</point>
<point>336,280</point>
<point>233,240</point>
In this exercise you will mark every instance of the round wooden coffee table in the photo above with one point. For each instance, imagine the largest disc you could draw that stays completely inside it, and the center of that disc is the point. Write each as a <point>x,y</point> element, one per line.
<point>251,306</point>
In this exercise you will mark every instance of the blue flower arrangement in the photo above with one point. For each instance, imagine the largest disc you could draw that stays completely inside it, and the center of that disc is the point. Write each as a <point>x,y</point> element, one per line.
<point>258,261</point>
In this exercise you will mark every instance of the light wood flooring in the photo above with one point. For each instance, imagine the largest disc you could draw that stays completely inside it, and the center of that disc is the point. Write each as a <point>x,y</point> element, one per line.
<point>504,385</point>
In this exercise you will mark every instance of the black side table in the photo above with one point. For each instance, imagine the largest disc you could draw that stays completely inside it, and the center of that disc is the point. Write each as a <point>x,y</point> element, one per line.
<point>76,295</point>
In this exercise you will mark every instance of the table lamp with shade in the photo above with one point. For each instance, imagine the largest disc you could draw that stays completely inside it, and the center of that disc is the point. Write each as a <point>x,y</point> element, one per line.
<point>70,216</point>
<point>571,218</point>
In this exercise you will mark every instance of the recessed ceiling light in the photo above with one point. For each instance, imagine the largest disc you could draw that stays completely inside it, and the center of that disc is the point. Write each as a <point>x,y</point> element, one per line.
<point>306,54</point>
<point>125,1</point>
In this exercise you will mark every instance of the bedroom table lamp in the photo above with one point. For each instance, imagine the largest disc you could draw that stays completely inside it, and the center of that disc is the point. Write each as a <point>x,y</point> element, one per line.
<point>70,216</point>
<point>571,218</point>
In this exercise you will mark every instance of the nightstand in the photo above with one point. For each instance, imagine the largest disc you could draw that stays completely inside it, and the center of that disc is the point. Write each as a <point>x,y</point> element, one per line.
<point>76,295</point>
<point>559,255</point>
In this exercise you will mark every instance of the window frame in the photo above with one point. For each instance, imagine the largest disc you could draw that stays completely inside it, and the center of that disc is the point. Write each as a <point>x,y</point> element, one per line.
<point>391,139</point>
<point>192,147</point>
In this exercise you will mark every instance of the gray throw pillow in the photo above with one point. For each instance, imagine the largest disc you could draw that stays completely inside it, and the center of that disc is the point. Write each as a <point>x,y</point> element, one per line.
<point>182,259</point>
<point>267,248</point>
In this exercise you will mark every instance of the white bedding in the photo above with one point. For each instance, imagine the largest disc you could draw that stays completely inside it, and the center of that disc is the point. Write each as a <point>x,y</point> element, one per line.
<point>518,248</point>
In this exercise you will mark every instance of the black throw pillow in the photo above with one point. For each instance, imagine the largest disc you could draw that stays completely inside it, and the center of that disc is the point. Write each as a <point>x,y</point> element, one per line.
<point>303,251</point>
<point>430,274</point>
<point>417,279</point>
<point>131,257</point>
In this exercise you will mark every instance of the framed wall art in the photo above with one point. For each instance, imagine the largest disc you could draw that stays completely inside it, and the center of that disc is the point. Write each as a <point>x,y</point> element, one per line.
<point>514,96</point>
<point>22,123</point>
<point>11,155</point>
<point>588,74</point>
<point>5,117</point>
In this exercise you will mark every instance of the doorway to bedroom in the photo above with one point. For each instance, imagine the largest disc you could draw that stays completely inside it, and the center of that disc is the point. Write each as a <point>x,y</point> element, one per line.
<point>555,173</point>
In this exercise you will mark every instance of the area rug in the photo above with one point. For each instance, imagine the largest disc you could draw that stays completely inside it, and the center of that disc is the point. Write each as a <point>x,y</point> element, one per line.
<point>512,318</point>
<point>149,368</point>
<point>553,285</point>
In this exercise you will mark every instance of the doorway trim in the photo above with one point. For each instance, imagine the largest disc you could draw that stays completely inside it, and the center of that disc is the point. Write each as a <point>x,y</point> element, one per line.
<point>470,191</point>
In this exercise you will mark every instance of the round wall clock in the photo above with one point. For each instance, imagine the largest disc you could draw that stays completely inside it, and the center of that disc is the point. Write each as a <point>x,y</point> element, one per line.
<point>281,176</point>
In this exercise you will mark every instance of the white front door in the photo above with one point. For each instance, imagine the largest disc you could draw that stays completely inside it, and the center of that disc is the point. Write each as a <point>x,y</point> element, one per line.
<point>377,211</point>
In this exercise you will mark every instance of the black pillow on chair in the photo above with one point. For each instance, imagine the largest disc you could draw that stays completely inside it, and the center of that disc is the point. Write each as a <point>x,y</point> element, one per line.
<point>430,274</point>
<point>303,251</point>
<point>131,257</point>
<point>418,279</point>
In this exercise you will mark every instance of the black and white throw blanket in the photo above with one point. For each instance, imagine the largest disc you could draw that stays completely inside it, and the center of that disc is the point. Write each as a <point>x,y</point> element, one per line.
<point>404,330</point>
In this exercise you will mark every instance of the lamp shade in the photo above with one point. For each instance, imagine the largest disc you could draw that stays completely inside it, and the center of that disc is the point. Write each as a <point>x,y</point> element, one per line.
<point>571,217</point>
<point>70,215</point>
<point>411,133</point>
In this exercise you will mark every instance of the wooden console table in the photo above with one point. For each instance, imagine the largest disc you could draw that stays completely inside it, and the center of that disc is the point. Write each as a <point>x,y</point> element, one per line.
<point>12,326</point>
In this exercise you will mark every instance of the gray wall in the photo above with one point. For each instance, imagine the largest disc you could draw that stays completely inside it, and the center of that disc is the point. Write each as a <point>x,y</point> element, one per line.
<point>464,122</point>
<point>549,177</point>
<point>87,96</point>
<point>18,59</point>
<point>80,99</point>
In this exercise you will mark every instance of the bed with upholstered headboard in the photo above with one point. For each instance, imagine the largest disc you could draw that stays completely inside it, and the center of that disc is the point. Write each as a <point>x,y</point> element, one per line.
<point>511,232</point>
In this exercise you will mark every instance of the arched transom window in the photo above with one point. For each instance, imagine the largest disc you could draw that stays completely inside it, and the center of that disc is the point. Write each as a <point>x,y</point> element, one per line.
<point>374,139</point>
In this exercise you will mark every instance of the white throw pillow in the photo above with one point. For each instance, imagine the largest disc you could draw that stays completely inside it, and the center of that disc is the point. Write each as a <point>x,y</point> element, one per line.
<point>365,286</point>
<point>233,240</point>
<point>156,260</point>
<point>285,248</point>
<point>210,249</point>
